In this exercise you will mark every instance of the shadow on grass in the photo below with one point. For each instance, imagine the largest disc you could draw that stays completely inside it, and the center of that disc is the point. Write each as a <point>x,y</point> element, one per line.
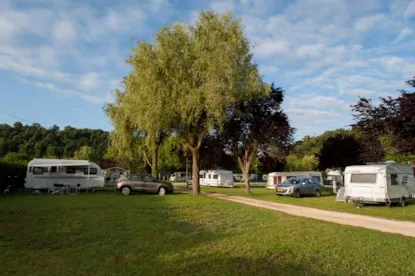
<point>135,235</point>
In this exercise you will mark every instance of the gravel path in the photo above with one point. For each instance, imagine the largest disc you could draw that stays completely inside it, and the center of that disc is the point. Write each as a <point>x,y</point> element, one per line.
<point>405,228</point>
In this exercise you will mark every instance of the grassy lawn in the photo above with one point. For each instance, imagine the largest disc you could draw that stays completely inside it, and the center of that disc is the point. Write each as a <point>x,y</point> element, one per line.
<point>326,201</point>
<point>108,234</point>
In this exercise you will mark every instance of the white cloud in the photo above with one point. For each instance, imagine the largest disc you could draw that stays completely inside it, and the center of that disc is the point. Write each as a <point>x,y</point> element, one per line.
<point>89,81</point>
<point>410,10</point>
<point>404,34</point>
<point>310,51</point>
<point>64,31</point>
<point>357,92</point>
<point>366,23</point>
<point>405,67</point>
<point>268,69</point>
<point>7,28</point>
<point>267,48</point>
<point>222,5</point>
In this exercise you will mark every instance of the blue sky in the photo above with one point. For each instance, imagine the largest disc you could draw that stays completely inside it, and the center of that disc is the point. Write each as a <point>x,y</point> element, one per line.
<point>60,60</point>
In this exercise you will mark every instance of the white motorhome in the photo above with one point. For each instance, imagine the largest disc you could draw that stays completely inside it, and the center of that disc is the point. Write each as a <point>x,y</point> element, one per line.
<point>217,178</point>
<point>44,173</point>
<point>276,178</point>
<point>383,183</point>
<point>180,176</point>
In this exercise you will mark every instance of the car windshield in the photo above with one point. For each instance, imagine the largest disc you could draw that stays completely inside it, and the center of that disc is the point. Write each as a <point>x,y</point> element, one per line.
<point>293,181</point>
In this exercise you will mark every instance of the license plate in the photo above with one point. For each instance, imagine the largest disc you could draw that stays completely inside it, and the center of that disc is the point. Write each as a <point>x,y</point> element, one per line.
<point>280,190</point>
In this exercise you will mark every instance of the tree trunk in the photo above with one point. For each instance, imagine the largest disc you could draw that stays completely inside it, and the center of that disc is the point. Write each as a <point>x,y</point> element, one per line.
<point>195,172</point>
<point>154,166</point>
<point>187,173</point>
<point>247,185</point>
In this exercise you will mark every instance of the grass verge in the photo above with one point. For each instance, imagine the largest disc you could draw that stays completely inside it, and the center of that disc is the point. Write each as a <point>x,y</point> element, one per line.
<point>108,234</point>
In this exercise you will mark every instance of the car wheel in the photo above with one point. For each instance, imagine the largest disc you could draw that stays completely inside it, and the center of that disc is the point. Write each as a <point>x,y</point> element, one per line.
<point>162,191</point>
<point>297,194</point>
<point>317,193</point>
<point>125,191</point>
<point>403,202</point>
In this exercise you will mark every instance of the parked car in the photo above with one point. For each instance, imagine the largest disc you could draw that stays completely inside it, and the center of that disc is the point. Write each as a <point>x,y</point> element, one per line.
<point>299,186</point>
<point>143,183</point>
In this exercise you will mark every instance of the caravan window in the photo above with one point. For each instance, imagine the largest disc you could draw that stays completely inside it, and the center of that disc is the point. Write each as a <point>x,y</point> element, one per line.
<point>91,171</point>
<point>70,170</point>
<point>201,176</point>
<point>363,178</point>
<point>394,180</point>
<point>38,170</point>
<point>209,176</point>
<point>53,169</point>
<point>215,176</point>
<point>30,169</point>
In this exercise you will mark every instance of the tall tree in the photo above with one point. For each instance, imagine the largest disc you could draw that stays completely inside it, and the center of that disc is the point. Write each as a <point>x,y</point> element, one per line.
<point>393,118</point>
<point>187,80</point>
<point>338,152</point>
<point>257,125</point>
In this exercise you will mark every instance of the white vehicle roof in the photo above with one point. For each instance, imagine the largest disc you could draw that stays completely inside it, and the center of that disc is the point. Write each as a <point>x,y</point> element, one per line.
<point>302,173</point>
<point>216,171</point>
<point>385,168</point>
<point>58,162</point>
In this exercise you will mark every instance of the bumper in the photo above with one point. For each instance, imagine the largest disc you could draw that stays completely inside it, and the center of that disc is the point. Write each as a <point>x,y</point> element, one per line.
<point>282,191</point>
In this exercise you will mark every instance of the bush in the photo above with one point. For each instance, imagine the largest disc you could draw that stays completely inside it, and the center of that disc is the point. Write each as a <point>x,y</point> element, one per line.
<point>16,171</point>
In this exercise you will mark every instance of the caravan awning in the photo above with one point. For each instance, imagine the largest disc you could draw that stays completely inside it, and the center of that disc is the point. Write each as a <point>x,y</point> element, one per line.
<point>58,163</point>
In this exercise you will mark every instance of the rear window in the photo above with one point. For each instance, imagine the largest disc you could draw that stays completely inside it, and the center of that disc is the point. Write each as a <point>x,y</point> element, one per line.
<point>215,176</point>
<point>363,178</point>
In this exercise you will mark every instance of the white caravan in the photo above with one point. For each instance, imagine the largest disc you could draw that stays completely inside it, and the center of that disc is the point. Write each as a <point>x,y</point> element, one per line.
<point>276,178</point>
<point>217,178</point>
<point>383,183</point>
<point>180,176</point>
<point>44,173</point>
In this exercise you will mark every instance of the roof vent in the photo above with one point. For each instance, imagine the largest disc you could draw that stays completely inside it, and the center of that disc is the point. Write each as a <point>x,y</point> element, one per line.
<point>390,162</point>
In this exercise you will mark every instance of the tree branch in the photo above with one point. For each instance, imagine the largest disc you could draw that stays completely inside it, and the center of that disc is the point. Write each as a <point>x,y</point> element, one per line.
<point>147,160</point>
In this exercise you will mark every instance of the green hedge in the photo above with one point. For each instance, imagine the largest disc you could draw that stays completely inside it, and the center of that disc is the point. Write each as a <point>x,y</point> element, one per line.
<point>12,169</point>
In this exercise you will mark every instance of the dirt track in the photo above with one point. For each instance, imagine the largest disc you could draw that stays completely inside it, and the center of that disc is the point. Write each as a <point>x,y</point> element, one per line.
<point>384,225</point>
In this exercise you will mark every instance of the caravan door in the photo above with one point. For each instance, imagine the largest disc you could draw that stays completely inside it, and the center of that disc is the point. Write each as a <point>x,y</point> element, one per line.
<point>394,187</point>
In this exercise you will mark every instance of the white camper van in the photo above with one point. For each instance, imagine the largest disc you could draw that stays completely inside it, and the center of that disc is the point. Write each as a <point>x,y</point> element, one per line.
<point>44,173</point>
<point>276,178</point>
<point>217,178</point>
<point>383,183</point>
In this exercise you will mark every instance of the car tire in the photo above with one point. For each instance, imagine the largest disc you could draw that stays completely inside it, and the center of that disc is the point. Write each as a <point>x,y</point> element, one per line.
<point>317,193</point>
<point>125,191</point>
<point>403,202</point>
<point>162,191</point>
<point>297,194</point>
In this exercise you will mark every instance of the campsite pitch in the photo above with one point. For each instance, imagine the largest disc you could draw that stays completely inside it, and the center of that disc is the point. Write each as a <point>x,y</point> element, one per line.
<point>108,234</point>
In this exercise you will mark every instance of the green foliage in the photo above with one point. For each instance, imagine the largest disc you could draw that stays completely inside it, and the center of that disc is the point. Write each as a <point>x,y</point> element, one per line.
<point>185,83</point>
<point>14,157</point>
<point>36,141</point>
<point>85,153</point>
<point>168,157</point>
<point>304,163</point>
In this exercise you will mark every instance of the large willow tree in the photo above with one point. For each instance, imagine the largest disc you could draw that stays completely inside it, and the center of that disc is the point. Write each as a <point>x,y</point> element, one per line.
<point>186,81</point>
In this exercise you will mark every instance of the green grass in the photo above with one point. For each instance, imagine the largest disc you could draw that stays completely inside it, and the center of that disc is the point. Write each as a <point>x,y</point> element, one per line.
<point>326,201</point>
<point>108,234</point>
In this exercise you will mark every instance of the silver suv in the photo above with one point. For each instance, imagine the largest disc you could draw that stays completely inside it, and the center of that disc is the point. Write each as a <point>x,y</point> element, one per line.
<point>143,183</point>
<point>299,186</point>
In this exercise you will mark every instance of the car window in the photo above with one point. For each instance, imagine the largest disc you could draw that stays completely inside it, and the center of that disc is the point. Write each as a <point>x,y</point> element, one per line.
<point>148,178</point>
